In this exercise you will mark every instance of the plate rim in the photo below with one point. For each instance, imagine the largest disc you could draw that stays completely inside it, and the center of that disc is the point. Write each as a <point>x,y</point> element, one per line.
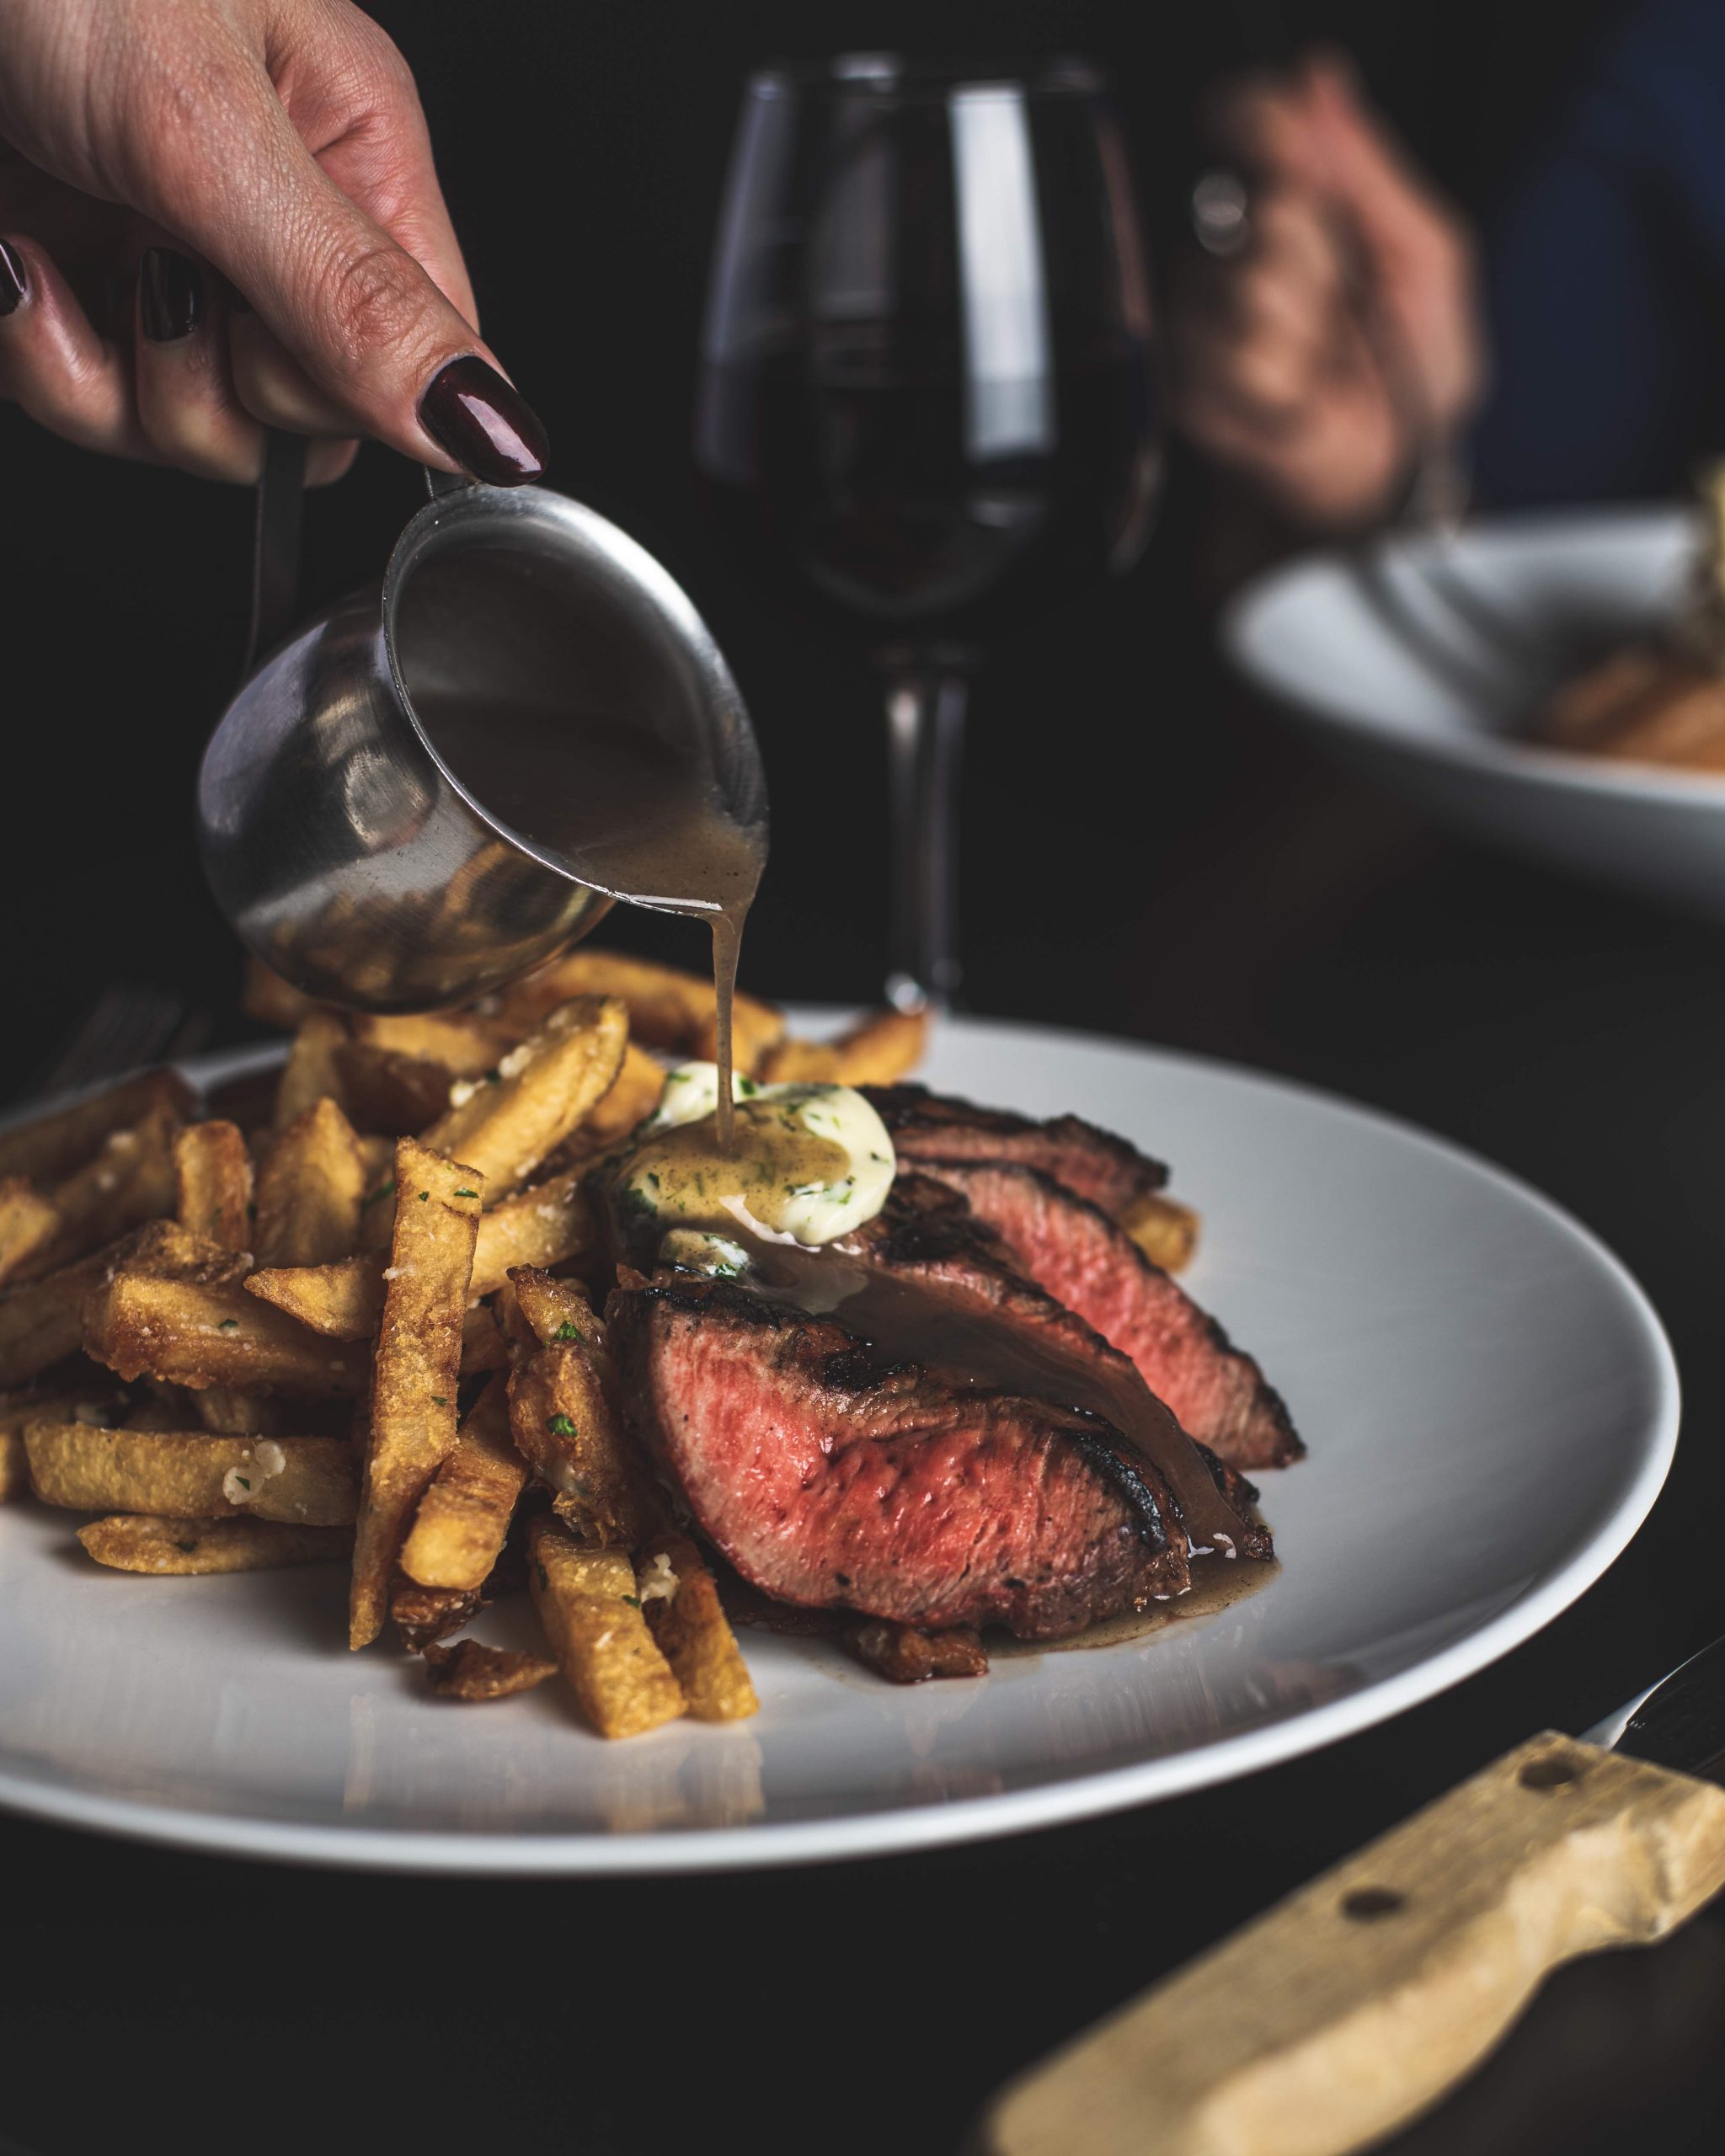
<point>902,1829</point>
<point>1526,763</point>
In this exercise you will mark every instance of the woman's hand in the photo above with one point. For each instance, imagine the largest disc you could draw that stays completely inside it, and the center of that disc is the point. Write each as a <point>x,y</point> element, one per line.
<point>1342,346</point>
<point>147,145</point>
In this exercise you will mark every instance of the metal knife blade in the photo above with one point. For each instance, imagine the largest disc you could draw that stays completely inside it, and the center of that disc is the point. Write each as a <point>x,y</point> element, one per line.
<point>1678,1722</point>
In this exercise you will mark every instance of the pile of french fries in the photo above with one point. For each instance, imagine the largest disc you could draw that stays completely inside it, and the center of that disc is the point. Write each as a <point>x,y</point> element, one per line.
<point>239,1348</point>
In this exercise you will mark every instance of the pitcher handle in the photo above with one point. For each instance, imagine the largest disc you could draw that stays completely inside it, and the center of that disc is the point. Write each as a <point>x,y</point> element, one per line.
<point>275,558</point>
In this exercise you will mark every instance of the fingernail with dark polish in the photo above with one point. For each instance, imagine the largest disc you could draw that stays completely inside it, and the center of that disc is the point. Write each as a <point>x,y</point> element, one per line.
<point>170,295</point>
<point>486,426</point>
<point>14,284</point>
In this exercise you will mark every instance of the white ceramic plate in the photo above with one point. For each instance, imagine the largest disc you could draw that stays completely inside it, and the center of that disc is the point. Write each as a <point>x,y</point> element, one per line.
<point>1490,1407</point>
<point>1417,662</point>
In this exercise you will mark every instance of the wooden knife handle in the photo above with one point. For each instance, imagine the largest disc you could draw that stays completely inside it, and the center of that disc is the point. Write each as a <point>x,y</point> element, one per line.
<point>1359,2001</point>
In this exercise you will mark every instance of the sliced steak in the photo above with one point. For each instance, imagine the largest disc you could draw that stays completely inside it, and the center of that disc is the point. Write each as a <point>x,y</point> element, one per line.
<point>929,1234</point>
<point>832,1476</point>
<point>1095,1163</point>
<point>1076,1252</point>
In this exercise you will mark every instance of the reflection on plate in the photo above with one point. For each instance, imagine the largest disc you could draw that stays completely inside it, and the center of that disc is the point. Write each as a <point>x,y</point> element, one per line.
<point>1419,662</point>
<point>1490,1407</point>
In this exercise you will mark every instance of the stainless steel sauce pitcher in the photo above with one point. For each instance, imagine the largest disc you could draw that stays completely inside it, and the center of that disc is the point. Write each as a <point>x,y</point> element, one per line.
<point>339,845</point>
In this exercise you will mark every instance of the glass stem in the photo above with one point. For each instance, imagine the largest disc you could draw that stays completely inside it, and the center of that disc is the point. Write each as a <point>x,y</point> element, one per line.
<point>924,710</point>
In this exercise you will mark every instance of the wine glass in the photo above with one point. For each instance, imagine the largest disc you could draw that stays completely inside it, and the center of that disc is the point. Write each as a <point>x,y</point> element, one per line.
<point>925,404</point>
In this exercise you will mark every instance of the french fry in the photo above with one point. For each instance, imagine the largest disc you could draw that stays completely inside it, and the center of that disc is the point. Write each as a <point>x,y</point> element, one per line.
<point>311,1073</point>
<point>270,1000</point>
<point>463,1518</point>
<point>465,1046</point>
<point>425,1614</point>
<point>1163,1228</point>
<point>163,1311</point>
<point>418,1365</point>
<point>29,1223</point>
<point>342,1301</point>
<point>179,1548</point>
<point>233,1414</point>
<point>667,1009</point>
<point>14,1466</point>
<point>587,1603</point>
<point>130,1180</point>
<point>555,1309</point>
<point>212,1180</point>
<point>543,1089</point>
<point>470,1671</point>
<point>310,1191</point>
<point>566,1426</point>
<point>192,1474</point>
<point>634,1094</point>
<point>382,1088</point>
<point>41,1322</point>
<point>680,1603</point>
<point>879,1050</point>
<point>52,1145</point>
<point>483,1345</point>
<point>547,1223</point>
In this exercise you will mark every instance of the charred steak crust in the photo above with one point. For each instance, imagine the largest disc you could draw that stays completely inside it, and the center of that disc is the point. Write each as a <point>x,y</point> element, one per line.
<point>1071,1248</point>
<point>830,1476</point>
<point>1096,1164</point>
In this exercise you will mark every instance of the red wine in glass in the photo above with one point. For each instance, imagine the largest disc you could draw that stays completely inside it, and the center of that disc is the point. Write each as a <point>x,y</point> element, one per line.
<point>924,406</point>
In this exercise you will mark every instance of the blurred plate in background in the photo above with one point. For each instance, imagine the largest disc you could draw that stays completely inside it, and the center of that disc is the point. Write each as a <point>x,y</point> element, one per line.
<point>1419,661</point>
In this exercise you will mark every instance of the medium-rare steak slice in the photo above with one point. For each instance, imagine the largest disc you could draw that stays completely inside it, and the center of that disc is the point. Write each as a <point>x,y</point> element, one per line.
<point>1095,1163</point>
<point>831,1475</point>
<point>1076,1253</point>
<point>928,1233</point>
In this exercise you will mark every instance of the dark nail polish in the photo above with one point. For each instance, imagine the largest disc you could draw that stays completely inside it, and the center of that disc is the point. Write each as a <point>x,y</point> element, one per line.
<point>170,295</point>
<point>486,426</point>
<point>14,284</point>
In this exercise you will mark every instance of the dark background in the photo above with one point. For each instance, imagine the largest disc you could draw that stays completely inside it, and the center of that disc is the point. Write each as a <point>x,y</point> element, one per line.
<point>1149,854</point>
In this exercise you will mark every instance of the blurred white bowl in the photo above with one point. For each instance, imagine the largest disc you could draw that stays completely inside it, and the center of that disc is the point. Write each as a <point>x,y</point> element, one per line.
<point>1419,661</point>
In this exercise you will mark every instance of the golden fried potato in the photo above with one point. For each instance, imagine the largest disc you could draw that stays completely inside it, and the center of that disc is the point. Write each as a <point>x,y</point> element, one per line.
<point>52,1145</point>
<point>15,1465</point>
<point>423,1614</point>
<point>463,1518</point>
<point>141,1324</point>
<point>680,1603</point>
<point>312,1072</point>
<point>591,1614</point>
<point>543,1089</point>
<point>465,1046</point>
<point>192,1474</point>
<point>29,1223</point>
<point>547,1223</point>
<point>310,1191</point>
<point>634,1096</point>
<point>212,1180</point>
<point>417,1364</point>
<point>1163,1228</point>
<point>667,1008</point>
<point>470,1671</point>
<point>41,1322</point>
<point>565,1422</point>
<point>382,1088</point>
<point>879,1050</point>
<point>233,1414</point>
<point>342,1301</point>
<point>181,1547</point>
<point>130,1180</point>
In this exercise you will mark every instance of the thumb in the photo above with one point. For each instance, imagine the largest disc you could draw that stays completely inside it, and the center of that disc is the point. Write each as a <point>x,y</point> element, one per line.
<point>368,326</point>
<point>1397,214</point>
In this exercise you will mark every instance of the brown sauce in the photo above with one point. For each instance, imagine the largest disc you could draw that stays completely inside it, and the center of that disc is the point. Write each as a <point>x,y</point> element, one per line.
<point>1213,1587</point>
<point>617,808</point>
<point>688,1169</point>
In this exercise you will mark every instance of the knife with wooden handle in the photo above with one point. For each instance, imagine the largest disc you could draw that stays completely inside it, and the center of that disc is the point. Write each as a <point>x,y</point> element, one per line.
<point>1361,1999</point>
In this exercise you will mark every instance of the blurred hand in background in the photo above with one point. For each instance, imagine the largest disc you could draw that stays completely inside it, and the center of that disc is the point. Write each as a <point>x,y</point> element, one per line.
<point>1338,347</point>
<point>146,144</point>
